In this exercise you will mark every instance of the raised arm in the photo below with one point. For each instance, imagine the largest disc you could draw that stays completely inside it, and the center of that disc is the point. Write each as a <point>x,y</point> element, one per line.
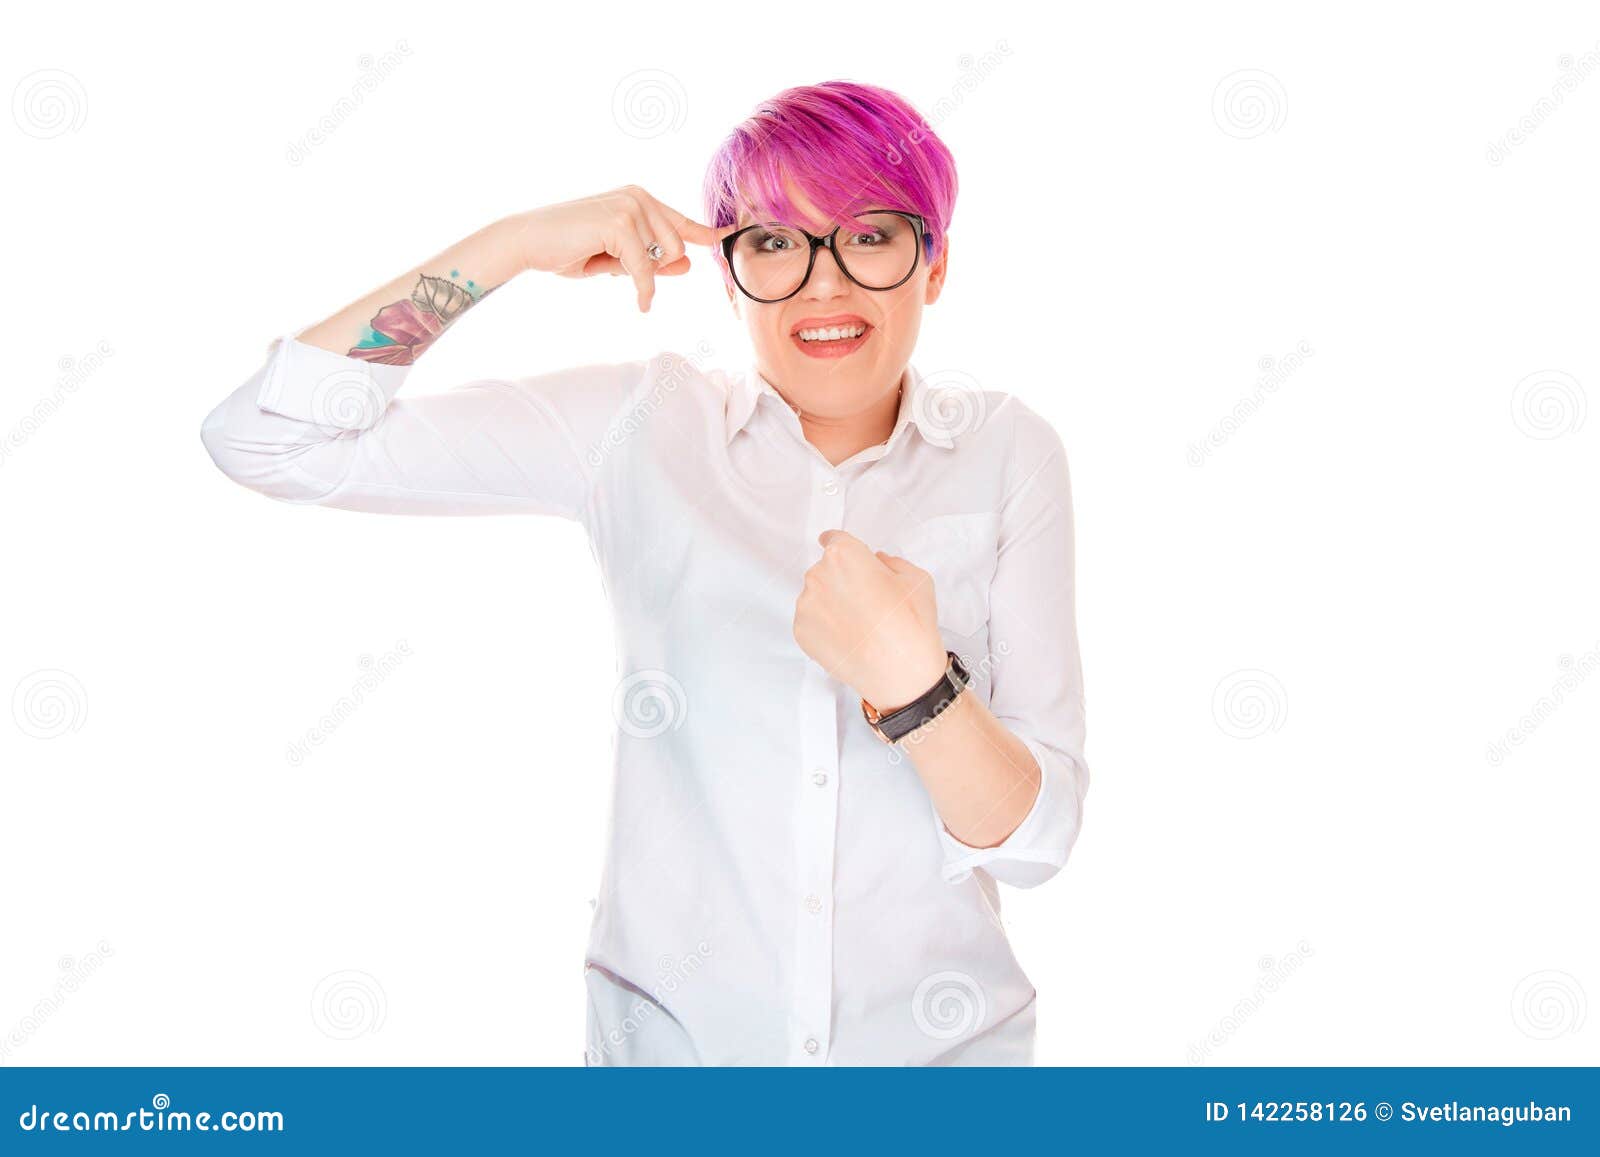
<point>319,422</point>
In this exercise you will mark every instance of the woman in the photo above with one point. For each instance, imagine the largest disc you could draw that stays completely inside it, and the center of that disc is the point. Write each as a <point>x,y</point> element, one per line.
<point>849,699</point>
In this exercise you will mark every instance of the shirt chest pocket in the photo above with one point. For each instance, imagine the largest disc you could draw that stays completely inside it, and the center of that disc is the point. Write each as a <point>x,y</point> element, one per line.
<point>959,551</point>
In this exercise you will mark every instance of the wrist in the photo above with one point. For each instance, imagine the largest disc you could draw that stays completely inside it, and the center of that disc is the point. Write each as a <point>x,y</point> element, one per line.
<point>515,237</point>
<point>911,681</point>
<point>909,719</point>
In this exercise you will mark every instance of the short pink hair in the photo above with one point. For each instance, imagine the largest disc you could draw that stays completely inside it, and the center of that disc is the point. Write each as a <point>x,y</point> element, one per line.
<point>847,147</point>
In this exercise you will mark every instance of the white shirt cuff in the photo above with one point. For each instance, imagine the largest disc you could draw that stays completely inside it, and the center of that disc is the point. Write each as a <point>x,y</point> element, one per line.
<point>311,384</point>
<point>1039,846</point>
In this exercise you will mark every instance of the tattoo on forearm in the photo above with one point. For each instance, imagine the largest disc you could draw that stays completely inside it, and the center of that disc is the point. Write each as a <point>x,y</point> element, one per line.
<point>401,332</point>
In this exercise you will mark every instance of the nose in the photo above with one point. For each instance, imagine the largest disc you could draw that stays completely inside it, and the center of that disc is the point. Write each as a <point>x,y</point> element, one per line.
<point>827,276</point>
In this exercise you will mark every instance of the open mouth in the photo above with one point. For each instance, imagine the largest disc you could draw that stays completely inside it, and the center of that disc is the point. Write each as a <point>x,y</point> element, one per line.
<point>830,337</point>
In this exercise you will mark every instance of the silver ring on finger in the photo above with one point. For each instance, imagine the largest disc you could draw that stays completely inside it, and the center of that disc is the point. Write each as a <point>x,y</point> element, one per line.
<point>655,251</point>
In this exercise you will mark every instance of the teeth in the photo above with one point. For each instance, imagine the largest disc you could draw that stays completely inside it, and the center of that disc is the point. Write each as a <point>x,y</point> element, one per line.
<point>832,334</point>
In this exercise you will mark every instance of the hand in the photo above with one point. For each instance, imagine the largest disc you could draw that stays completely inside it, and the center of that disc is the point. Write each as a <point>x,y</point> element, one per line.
<point>870,620</point>
<point>609,233</point>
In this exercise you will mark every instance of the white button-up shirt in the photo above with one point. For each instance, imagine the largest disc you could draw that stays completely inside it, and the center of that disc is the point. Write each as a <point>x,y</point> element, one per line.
<point>778,887</point>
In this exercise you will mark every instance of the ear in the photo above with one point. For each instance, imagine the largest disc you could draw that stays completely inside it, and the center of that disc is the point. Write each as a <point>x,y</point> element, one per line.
<point>936,274</point>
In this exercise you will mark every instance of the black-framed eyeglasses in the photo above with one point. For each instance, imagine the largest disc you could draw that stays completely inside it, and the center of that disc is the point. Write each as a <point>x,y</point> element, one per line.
<point>879,250</point>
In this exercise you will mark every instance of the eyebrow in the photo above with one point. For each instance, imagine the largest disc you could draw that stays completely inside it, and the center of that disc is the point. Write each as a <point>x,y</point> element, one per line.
<point>854,210</point>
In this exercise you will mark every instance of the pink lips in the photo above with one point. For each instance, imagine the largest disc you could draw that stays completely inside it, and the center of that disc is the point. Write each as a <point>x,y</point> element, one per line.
<point>831,349</point>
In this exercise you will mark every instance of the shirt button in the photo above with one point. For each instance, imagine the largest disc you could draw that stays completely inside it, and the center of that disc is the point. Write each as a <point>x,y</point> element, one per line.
<point>819,777</point>
<point>830,487</point>
<point>811,1044</point>
<point>813,905</point>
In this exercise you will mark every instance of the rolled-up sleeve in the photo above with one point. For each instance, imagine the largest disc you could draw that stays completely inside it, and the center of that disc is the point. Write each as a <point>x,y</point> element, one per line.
<point>1036,673</point>
<point>317,427</point>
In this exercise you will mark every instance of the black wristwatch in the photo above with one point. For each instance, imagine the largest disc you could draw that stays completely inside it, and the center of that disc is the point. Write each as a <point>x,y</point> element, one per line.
<point>904,720</point>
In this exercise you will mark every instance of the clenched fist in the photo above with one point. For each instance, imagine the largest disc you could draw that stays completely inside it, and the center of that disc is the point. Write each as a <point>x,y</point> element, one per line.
<point>869,619</point>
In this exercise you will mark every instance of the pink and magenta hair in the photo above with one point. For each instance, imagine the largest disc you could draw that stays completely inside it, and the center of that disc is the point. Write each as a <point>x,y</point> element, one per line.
<point>846,147</point>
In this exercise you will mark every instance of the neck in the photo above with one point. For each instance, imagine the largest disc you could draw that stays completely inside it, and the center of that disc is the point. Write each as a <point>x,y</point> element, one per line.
<point>840,438</point>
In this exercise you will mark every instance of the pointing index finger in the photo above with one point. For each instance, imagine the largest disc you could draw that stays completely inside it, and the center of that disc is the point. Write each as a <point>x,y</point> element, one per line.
<point>692,230</point>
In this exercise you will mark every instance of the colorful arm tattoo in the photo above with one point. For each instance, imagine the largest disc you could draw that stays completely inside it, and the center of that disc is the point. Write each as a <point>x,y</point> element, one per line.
<point>401,332</point>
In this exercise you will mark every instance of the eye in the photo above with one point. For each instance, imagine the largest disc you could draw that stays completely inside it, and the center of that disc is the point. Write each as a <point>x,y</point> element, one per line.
<point>871,232</point>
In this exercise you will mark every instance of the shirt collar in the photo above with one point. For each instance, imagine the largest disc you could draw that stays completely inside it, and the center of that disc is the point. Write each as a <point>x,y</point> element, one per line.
<point>915,405</point>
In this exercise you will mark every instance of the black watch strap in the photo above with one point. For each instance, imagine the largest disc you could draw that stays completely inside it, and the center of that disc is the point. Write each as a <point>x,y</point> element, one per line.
<point>903,721</point>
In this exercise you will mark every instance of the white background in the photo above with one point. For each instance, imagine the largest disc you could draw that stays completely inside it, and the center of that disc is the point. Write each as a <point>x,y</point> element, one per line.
<point>1300,638</point>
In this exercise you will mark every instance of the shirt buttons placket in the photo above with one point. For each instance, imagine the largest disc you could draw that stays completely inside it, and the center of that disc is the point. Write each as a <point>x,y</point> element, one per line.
<point>817,816</point>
